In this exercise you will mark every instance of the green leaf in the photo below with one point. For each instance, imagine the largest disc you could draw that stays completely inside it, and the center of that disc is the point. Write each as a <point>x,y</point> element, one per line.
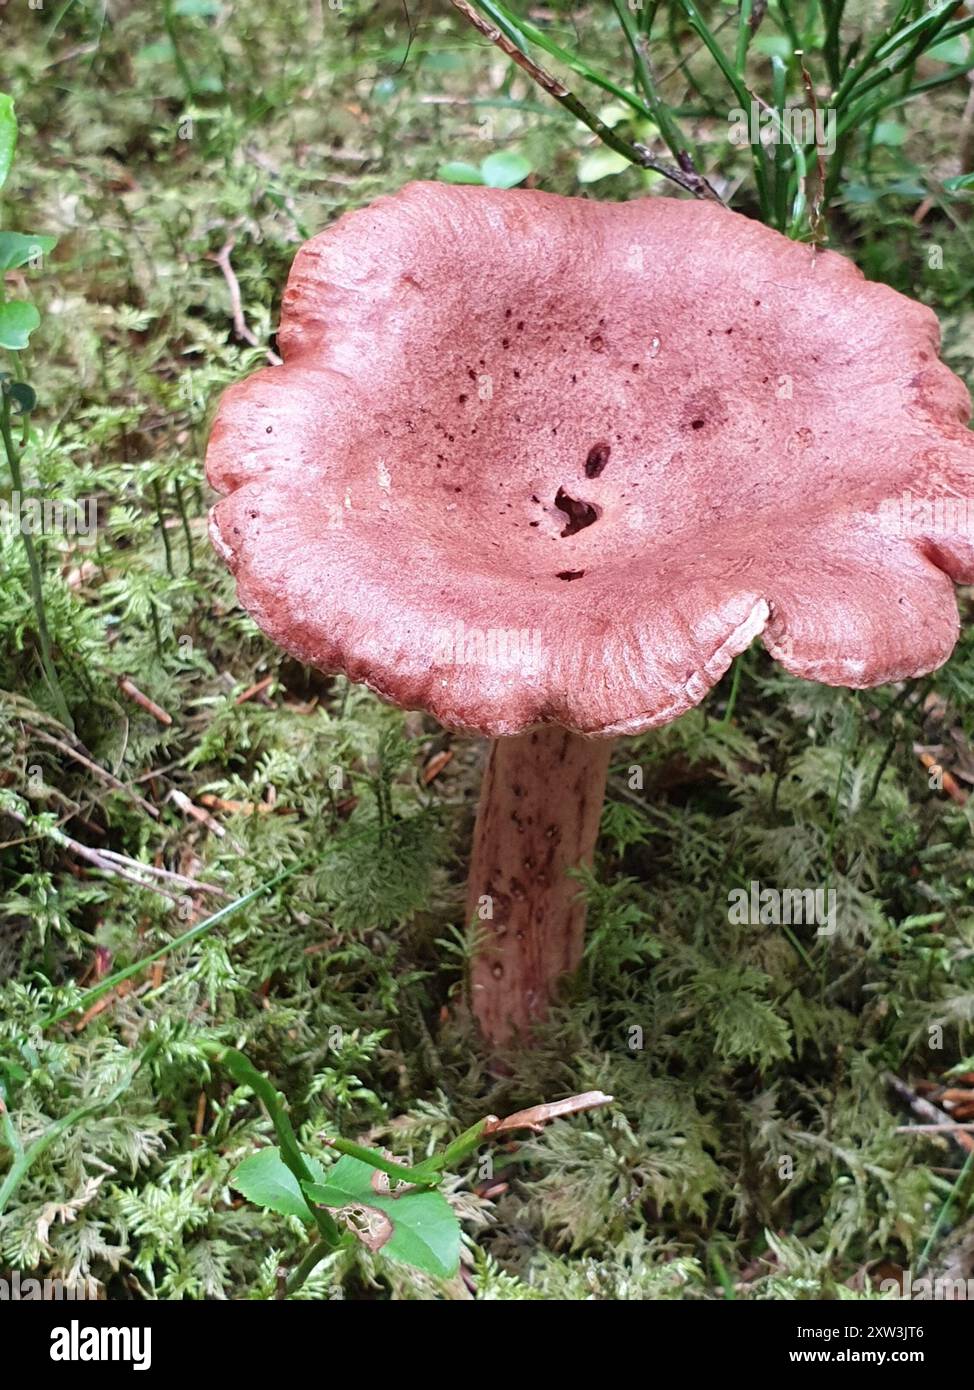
<point>600,164</point>
<point>425,1232</point>
<point>266,1180</point>
<point>613,112</point>
<point>773,45</point>
<point>8,135</point>
<point>159,51</point>
<point>17,322</point>
<point>951,51</point>
<point>890,133</point>
<point>17,248</point>
<point>197,9</point>
<point>504,169</point>
<point>959,182</point>
<point>457,171</point>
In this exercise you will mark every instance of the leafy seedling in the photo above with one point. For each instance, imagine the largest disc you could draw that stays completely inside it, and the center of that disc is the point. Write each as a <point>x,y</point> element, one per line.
<point>391,1208</point>
<point>502,169</point>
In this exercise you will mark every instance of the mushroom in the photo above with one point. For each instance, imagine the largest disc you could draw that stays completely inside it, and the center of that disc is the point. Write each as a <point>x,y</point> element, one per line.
<point>544,466</point>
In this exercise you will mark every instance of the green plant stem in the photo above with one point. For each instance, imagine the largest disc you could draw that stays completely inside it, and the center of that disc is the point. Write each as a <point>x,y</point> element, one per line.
<point>429,1172</point>
<point>725,719</point>
<point>743,35</point>
<point>739,87</point>
<point>161,516</point>
<point>832,13</point>
<point>310,1261</point>
<point>33,564</point>
<point>635,152</point>
<point>661,115</point>
<point>459,1149</point>
<point>245,1073</point>
<point>519,31</point>
<point>10,1136</point>
<point>944,1211</point>
<point>854,71</point>
<point>423,1175</point>
<point>184,518</point>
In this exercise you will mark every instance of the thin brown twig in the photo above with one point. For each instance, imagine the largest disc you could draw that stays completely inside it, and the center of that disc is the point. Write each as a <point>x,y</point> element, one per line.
<point>929,1112</point>
<point>686,177</point>
<point>815,218</point>
<point>257,689</point>
<point>108,777</point>
<point>240,326</point>
<point>119,865</point>
<point>947,1128</point>
<point>129,688</point>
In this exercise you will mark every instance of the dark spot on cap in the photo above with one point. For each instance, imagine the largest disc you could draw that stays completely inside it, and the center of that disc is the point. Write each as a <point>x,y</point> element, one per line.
<point>598,457</point>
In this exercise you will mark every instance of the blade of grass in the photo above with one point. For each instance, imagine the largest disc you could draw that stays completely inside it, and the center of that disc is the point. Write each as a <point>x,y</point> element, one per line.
<point>743,34</point>
<point>944,1211</point>
<point>522,32</point>
<point>739,87</point>
<point>687,179</point>
<point>832,14</point>
<point>91,996</point>
<point>661,115</point>
<point>34,569</point>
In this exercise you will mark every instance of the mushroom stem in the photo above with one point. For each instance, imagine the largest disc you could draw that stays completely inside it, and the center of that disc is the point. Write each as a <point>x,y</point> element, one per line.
<point>539,813</point>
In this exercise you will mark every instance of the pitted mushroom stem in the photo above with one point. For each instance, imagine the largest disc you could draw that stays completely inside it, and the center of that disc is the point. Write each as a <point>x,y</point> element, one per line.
<point>540,807</point>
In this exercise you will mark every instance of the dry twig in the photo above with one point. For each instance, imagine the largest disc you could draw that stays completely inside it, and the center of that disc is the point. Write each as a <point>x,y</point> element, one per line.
<point>240,327</point>
<point>930,1112</point>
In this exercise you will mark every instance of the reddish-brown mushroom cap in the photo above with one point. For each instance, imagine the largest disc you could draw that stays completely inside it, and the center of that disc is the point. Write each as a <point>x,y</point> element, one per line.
<point>537,459</point>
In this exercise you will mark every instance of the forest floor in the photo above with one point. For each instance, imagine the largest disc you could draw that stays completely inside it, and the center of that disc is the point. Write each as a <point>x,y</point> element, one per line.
<point>755,1147</point>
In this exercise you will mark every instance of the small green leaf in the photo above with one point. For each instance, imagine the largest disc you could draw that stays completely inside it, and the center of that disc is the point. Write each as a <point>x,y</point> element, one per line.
<point>907,188</point>
<point>600,164</point>
<point>266,1180</point>
<point>890,133</point>
<point>504,169</point>
<point>18,320</point>
<point>950,50</point>
<point>614,112</point>
<point>8,135</point>
<point>773,45</point>
<point>457,171</point>
<point>17,248</point>
<point>959,182</point>
<point>196,9</point>
<point>425,1232</point>
<point>159,51</point>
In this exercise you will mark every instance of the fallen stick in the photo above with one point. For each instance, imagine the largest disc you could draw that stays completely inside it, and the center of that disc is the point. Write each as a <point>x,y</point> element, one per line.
<point>108,777</point>
<point>130,689</point>
<point>929,1112</point>
<point>948,1128</point>
<point>240,328</point>
<point>119,865</point>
